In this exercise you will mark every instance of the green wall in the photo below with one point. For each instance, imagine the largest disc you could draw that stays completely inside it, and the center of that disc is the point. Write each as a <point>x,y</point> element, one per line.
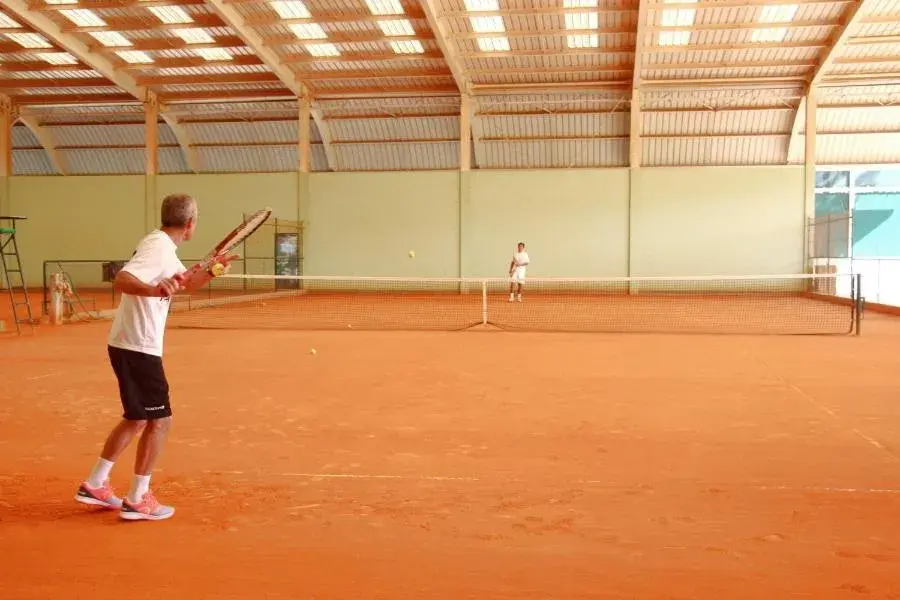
<point>366,224</point>
<point>577,223</point>
<point>574,223</point>
<point>717,221</point>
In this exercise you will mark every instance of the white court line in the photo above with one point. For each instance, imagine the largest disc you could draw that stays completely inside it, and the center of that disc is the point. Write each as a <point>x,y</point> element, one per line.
<point>44,376</point>
<point>364,476</point>
<point>583,482</point>
<point>875,443</point>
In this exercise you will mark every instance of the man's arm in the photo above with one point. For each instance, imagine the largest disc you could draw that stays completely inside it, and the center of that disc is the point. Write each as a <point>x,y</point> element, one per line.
<point>126,283</point>
<point>194,278</point>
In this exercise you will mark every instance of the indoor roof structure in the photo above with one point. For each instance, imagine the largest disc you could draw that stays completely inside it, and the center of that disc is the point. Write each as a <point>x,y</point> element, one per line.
<point>363,85</point>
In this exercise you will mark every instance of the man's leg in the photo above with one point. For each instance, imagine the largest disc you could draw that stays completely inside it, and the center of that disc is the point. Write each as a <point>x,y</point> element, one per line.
<point>520,290</point>
<point>95,490</point>
<point>149,448</point>
<point>140,503</point>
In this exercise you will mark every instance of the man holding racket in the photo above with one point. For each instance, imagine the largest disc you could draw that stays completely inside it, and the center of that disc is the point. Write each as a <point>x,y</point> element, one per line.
<point>147,283</point>
<point>517,268</point>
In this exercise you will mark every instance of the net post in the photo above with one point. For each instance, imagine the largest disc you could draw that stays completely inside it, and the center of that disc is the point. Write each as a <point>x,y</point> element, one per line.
<point>858,302</point>
<point>484,305</point>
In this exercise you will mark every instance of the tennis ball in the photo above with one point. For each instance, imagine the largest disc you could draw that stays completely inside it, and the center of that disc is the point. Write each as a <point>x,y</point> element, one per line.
<point>312,350</point>
<point>412,253</point>
<point>218,270</point>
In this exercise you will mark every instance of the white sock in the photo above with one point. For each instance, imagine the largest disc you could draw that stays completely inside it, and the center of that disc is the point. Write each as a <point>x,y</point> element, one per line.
<point>139,486</point>
<point>100,473</point>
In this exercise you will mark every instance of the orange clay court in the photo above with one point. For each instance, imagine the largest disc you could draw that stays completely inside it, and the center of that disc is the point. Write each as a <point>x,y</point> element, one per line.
<point>447,465</point>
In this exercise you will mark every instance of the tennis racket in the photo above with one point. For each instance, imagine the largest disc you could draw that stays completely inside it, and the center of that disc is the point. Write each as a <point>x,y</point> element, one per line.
<point>230,241</point>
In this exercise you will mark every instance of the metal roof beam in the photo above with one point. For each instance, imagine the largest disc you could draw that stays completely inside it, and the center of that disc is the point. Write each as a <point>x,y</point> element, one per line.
<point>288,77</point>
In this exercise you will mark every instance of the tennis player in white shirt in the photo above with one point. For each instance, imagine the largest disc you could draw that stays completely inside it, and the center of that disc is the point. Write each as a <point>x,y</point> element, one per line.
<point>517,268</point>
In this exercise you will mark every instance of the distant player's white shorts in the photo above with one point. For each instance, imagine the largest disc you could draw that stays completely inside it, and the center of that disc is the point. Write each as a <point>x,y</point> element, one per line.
<point>518,275</point>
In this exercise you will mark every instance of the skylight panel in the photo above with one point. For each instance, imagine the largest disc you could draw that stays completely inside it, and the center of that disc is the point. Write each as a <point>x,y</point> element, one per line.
<point>408,47</point>
<point>674,38</point>
<point>487,24</point>
<point>58,58</point>
<point>323,50</point>
<point>194,35</point>
<point>83,17</point>
<point>677,17</point>
<point>290,9</point>
<point>399,27</point>
<point>482,5</point>
<point>308,31</point>
<point>583,41</point>
<point>134,57</point>
<point>493,44</point>
<point>8,23</point>
<point>213,53</point>
<point>111,38</point>
<point>782,13</point>
<point>29,40</point>
<point>171,15</point>
<point>582,20</point>
<point>769,34</point>
<point>385,7</point>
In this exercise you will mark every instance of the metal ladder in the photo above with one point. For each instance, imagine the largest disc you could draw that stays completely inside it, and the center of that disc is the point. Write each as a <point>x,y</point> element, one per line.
<point>12,270</point>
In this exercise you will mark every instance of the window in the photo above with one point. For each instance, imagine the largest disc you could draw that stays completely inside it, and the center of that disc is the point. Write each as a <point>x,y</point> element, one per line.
<point>831,179</point>
<point>886,178</point>
<point>832,203</point>
<point>876,225</point>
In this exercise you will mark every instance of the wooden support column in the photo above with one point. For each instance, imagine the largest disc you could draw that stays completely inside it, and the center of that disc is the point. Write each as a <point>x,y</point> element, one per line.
<point>303,149</point>
<point>6,122</point>
<point>634,141</point>
<point>151,132</point>
<point>465,133</point>
<point>809,162</point>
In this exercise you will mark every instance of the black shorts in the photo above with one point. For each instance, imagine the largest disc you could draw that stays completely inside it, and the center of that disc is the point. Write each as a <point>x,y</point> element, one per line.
<point>142,384</point>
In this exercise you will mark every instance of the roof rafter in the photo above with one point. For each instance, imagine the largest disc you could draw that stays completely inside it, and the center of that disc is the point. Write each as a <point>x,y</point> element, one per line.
<point>47,141</point>
<point>39,21</point>
<point>254,41</point>
<point>454,60</point>
<point>851,20</point>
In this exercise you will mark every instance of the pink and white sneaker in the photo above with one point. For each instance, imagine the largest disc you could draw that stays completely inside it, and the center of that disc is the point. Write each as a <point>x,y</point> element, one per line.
<point>148,509</point>
<point>100,496</point>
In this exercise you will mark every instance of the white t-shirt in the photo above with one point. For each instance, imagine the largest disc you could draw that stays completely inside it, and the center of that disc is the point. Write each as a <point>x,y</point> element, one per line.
<point>140,321</point>
<point>521,259</point>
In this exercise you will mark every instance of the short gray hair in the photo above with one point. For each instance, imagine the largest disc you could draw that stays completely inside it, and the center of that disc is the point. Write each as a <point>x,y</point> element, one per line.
<point>177,210</point>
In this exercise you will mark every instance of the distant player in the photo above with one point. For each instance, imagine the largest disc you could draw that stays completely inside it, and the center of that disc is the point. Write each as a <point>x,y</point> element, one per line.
<point>517,270</point>
<point>147,283</point>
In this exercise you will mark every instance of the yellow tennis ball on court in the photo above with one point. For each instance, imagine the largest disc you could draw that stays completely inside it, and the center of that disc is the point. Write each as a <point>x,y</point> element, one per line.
<point>312,351</point>
<point>219,269</point>
<point>412,253</point>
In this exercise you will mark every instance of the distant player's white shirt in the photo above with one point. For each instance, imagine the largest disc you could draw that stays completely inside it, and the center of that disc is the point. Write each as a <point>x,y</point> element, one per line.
<point>521,261</point>
<point>140,322</point>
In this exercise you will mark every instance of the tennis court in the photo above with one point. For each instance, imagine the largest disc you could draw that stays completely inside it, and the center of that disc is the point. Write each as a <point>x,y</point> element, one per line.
<point>470,464</point>
<point>534,299</point>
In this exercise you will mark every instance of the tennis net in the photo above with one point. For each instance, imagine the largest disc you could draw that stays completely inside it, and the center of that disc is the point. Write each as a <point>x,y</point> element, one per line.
<point>774,304</point>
